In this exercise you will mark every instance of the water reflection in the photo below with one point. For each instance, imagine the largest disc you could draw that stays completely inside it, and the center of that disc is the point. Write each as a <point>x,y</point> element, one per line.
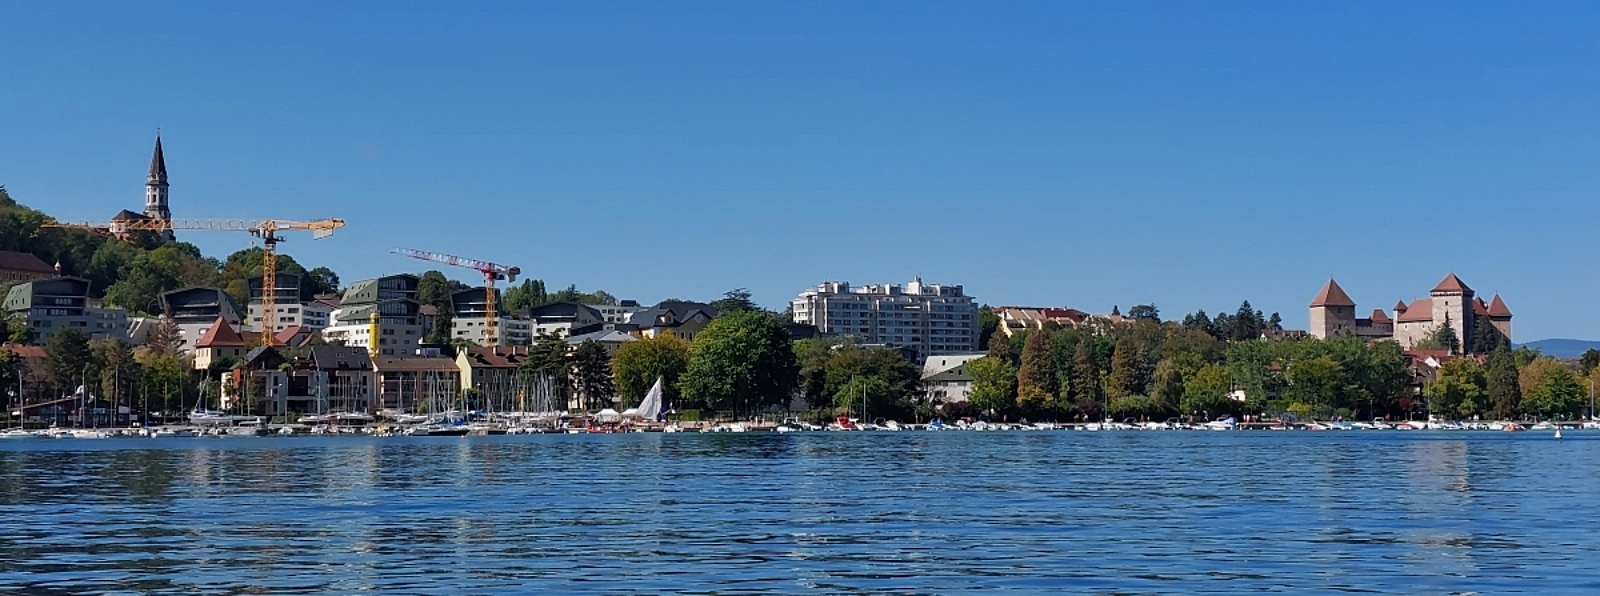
<point>907,512</point>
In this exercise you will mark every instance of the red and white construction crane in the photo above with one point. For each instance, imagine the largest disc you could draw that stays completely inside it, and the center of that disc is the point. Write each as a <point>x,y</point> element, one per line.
<point>491,272</point>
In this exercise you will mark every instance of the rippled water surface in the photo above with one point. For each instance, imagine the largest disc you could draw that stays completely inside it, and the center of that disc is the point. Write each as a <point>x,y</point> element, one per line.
<point>1123,512</point>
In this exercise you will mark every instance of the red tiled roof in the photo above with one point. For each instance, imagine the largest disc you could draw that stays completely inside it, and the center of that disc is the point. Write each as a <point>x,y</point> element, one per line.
<point>393,364</point>
<point>22,261</point>
<point>1332,295</point>
<point>1071,314</point>
<point>1497,307</point>
<point>25,352</point>
<point>1400,306</point>
<point>1378,316</point>
<point>283,338</point>
<point>1420,311</point>
<point>496,357</point>
<point>1452,284</point>
<point>220,335</point>
<point>1479,308</point>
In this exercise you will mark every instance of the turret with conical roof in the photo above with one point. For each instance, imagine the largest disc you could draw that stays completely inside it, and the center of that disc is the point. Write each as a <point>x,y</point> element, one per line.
<point>1500,316</point>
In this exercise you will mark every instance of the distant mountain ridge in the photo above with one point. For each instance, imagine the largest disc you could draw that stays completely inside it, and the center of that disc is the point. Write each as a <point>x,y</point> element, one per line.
<point>1563,348</point>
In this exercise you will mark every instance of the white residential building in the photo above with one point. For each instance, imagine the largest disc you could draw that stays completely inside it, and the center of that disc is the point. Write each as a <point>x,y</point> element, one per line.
<point>931,319</point>
<point>381,315</point>
<point>946,379</point>
<point>52,304</point>
<point>617,313</point>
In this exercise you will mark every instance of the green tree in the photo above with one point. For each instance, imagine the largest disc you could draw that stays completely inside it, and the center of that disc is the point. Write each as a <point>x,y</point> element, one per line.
<point>1145,312</point>
<point>1443,337</point>
<point>1000,348</point>
<point>1037,383</point>
<point>988,323</point>
<point>1318,382</point>
<point>529,294</point>
<point>638,364</point>
<point>1559,393</point>
<point>1207,391</point>
<point>813,354</point>
<point>994,383</point>
<point>1167,387</point>
<point>1085,386</point>
<point>591,376</point>
<point>883,377</point>
<point>434,289</point>
<point>741,362</point>
<point>321,280</point>
<point>1590,360</point>
<point>68,358</point>
<point>1459,391</point>
<point>1504,384</point>
<point>118,371</point>
<point>1531,376</point>
<point>549,365</point>
<point>1128,370</point>
<point>734,301</point>
<point>152,273</point>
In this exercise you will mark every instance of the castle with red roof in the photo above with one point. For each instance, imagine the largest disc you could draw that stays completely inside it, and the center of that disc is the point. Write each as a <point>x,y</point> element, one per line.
<point>1452,302</point>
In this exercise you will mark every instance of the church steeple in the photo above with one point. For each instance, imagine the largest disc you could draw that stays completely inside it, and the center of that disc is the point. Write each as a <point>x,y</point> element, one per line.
<point>155,188</point>
<point>158,165</point>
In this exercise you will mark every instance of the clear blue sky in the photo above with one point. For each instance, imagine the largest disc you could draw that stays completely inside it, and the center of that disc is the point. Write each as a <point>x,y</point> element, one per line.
<point>1057,153</point>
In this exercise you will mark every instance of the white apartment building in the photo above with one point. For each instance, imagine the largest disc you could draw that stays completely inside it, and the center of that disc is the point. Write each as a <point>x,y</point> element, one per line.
<point>620,312</point>
<point>381,315</point>
<point>931,319</point>
<point>52,304</point>
<point>510,331</point>
<point>311,316</point>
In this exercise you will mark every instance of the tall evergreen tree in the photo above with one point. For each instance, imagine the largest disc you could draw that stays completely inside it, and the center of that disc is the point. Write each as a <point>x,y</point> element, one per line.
<point>68,358</point>
<point>591,376</point>
<point>1085,385</point>
<point>1166,389</point>
<point>1000,348</point>
<point>1127,364</point>
<point>1037,384</point>
<point>1505,391</point>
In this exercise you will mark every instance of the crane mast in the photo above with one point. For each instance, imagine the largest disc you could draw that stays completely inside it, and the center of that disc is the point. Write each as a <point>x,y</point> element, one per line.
<point>491,272</point>
<point>265,229</point>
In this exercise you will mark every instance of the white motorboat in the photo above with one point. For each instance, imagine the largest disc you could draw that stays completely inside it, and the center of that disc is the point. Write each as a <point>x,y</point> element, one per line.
<point>17,433</point>
<point>173,432</point>
<point>1226,423</point>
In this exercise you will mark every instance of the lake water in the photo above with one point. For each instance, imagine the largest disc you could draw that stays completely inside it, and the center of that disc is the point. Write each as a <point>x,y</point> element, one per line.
<point>1108,512</point>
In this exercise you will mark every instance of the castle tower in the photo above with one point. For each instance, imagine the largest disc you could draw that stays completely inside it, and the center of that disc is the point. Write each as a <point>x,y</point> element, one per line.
<point>1333,313</point>
<point>155,189</point>
<point>1452,301</point>
<point>1500,316</point>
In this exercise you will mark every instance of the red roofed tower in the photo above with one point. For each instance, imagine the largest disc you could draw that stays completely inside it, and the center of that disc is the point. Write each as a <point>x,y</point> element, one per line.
<point>1500,316</point>
<point>1452,304</point>
<point>1333,313</point>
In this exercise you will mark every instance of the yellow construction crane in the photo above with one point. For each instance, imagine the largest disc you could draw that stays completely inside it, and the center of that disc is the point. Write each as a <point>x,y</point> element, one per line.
<point>265,229</point>
<point>490,271</point>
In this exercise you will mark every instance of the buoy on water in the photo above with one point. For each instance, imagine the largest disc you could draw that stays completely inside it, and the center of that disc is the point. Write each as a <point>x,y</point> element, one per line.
<point>1558,432</point>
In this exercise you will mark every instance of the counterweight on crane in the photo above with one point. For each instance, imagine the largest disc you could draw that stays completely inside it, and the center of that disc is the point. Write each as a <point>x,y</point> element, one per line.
<point>491,272</point>
<point>265,229</point>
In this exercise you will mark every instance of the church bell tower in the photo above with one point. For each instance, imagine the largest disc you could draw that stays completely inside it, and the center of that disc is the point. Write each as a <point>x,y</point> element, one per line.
<point>155,189</point>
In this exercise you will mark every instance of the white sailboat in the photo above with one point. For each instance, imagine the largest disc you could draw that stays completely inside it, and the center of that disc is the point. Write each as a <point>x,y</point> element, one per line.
<point>650,407</point>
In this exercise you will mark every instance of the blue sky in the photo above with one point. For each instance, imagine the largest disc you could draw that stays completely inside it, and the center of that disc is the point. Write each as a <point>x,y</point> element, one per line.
<point>1056,153</point>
